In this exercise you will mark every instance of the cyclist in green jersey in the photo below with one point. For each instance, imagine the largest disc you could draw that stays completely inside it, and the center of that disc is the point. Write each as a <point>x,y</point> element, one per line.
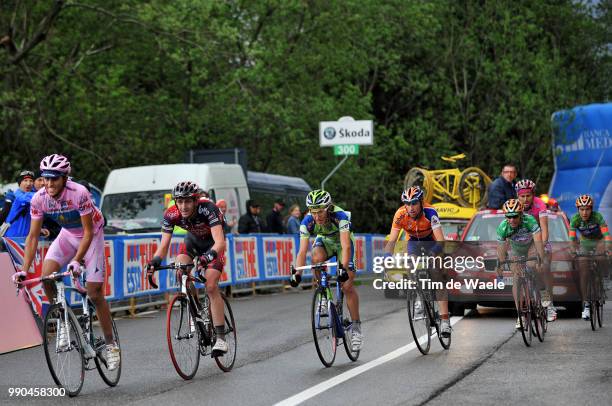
<point>331,227</point>
<point>518,233</point>
<point>594,235</point>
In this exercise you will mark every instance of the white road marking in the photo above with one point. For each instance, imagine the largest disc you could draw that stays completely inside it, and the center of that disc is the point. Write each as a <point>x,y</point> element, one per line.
<point>345,376</point>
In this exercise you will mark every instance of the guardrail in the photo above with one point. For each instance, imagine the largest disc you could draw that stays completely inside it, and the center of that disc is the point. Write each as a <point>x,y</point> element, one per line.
<point>250,260</point>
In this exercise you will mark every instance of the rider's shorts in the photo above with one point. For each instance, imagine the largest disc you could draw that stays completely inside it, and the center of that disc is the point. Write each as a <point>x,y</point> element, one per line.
<point>333,248</point>
<point>65,246</point>
<point>195,246</point>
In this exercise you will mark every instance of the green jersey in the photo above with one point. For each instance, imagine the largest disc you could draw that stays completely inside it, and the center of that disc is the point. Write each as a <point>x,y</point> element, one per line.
<point>328,235</point>
<point>339,221</point>
<point>594,228</point>
<point>521,237</point>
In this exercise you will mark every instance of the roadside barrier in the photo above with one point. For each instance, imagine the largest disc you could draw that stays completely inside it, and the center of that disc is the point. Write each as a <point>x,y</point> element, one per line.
<point>252,260</point>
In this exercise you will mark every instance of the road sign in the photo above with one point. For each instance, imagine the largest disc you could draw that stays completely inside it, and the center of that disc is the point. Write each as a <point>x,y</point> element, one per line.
<point>346,149</point>
<point>346,132</point>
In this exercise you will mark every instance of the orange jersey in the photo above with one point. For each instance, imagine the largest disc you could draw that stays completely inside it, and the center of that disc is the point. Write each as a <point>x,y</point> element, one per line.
<point>420,228</point>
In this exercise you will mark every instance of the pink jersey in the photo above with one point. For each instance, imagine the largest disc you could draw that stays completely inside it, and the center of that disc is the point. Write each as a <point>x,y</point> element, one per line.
<point>538,209</point>
<point>74,202</point>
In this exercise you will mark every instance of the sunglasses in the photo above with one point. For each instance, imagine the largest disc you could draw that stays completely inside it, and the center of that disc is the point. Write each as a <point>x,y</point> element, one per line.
<point>511,216</point>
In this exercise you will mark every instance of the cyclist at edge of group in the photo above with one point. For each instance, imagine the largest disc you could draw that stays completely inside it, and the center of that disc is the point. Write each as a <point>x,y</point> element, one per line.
<point>422,225</point>
<point>534,206</point>
<point>204,239</point>
<point>594,237</point>
<point>332,228</point>
<point>80,242</point>
<point>521,233</point>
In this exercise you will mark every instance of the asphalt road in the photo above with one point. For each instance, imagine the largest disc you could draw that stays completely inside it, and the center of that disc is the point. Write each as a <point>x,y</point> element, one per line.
<point>486,364</point>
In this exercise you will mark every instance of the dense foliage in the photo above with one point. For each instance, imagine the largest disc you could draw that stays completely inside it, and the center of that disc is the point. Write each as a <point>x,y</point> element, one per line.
<point>118,83</point>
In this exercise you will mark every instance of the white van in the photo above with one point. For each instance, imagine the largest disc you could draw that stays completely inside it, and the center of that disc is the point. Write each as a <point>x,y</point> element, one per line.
<point>134,199</point>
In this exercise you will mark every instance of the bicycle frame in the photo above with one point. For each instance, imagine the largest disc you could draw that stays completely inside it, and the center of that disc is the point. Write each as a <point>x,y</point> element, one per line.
<point>205,325</point>
<point>428,293</point>
<point>335,307</point>
<point>60,298</point>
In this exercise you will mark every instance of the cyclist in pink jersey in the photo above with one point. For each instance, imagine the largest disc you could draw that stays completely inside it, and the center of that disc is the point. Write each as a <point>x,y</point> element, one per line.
<point>525,190</point>
<point>79,243</point>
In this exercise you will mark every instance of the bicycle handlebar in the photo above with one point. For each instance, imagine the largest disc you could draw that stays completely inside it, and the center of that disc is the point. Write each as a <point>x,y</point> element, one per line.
<point>591,255</point>
<point>520,260</point>
<point>55,276</point>
<point>315,266</point>
<point>169,266</point>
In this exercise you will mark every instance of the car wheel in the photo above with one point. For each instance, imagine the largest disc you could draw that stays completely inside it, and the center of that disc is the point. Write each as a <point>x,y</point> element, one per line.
<point>573,310</point>
<point>456,309</point>
<point>391,293</point>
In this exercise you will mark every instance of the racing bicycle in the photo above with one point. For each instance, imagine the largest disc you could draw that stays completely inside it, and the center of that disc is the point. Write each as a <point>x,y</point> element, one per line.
<point>189,326</point>
<point>74,344</point>
<point>329,326</point>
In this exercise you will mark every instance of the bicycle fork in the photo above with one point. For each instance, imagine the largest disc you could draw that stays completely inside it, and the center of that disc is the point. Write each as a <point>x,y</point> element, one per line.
<point>88,352</point>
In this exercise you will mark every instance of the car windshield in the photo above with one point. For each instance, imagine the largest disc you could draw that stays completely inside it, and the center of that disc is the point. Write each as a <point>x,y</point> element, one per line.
<point>136,211</point>
<point>453,228</point>
<point>484,228</point>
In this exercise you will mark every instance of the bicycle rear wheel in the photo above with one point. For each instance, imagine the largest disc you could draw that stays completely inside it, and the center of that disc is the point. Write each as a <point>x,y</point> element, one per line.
<point>524,312</point>
<point>445,342</point>
<point>420,323</point>
<point>97,342</point>
<point>600,300</point>
<point>539,316</point>
<point>323,328</point>
<point>226,361</point>
<point>183,337</point>
<point>347,325</point>
<point>65,359</point>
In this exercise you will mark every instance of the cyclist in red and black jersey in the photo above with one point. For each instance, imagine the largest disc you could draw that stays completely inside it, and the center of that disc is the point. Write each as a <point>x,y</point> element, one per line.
<point>205,238</point>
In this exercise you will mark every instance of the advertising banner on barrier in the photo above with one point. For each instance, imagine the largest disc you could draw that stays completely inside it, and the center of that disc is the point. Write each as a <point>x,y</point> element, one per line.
<point>19,328</point>
<point>36,293</point>
<point>136,254</point>
<point>377,245</point>
<point>246,259</point>
<point>360,253</point>
<point>279,252</point>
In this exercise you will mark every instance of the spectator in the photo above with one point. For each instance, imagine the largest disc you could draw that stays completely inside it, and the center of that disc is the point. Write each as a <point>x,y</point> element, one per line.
<point>227,227</point>
<point>502,188</point>
<point>9,197</point>
<point>293,221</point>
<point>275,218</point>
<point>250,221</point>
<point>39,182</point>
<point>19,217</point>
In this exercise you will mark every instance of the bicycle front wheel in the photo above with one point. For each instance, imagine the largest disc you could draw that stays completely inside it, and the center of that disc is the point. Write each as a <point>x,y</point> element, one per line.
<point>323,328</point>
<point>420,322</point>
<point>524,312</point>
<point>183,337</point>
<point>226,361</point>
<point>97,342</point>
<point>63,349</point>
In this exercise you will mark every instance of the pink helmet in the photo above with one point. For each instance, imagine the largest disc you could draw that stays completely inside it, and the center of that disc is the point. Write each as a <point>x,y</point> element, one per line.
<point>54,165</point>
<point>525,184</point>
